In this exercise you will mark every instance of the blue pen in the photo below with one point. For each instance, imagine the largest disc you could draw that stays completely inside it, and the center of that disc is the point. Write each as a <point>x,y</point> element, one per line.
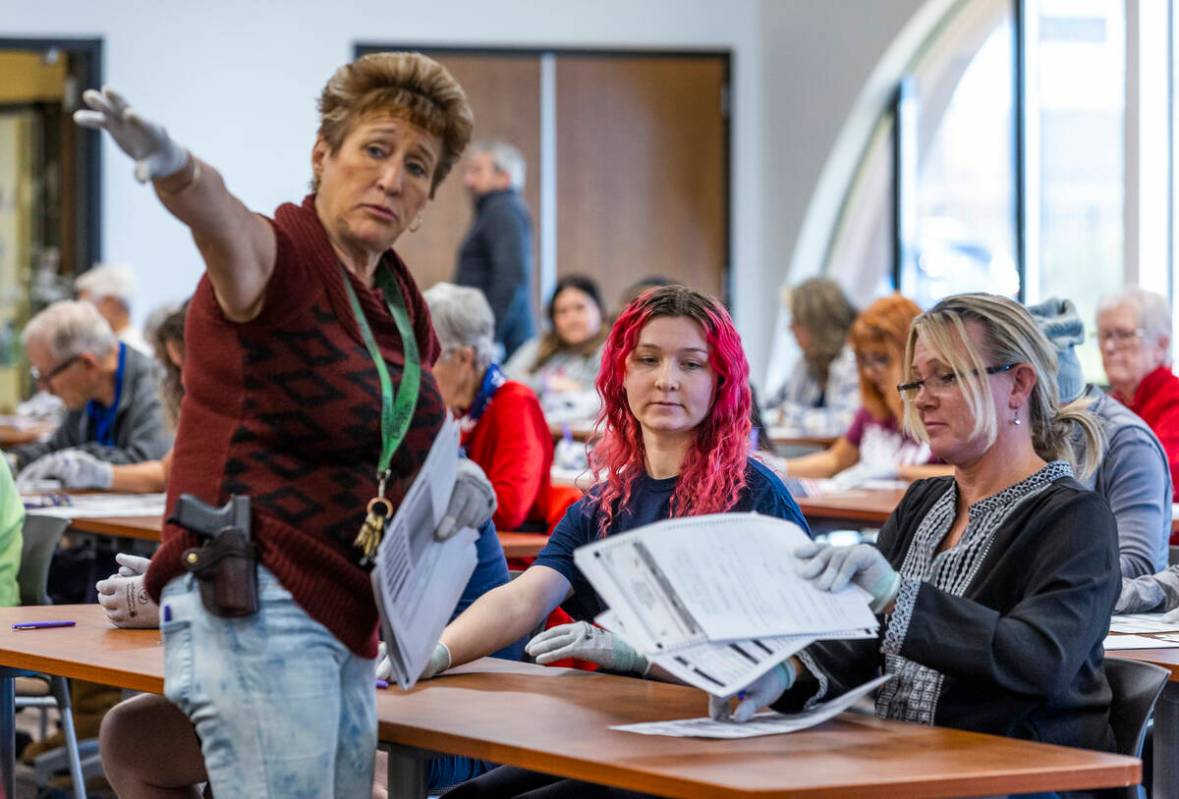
<point>41,625</point>
<point>382,683</point>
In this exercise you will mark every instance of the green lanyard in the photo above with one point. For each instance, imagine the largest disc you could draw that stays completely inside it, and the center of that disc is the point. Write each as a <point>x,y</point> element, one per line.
<point>395,413</point>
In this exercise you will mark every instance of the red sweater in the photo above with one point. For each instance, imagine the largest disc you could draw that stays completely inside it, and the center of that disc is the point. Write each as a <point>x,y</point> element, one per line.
<point>1157,402</point>
<point>513,446</point>
<point>286,408</point>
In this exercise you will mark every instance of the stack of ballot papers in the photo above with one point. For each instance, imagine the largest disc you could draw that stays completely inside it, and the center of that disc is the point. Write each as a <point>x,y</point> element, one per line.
<point>418,580</point>
<point>716,600</point>
<point>79,506</point>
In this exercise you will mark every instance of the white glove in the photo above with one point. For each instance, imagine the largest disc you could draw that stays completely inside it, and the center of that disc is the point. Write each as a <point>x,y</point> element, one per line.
<point>763,691</point>
<point>861,473</point>
<point>472,501</point>
<point>73,467</point>
<point>832,568</point>
<point>124,597</point>
<point>439,662</point>
<point>155,154</point>
<point>584,641</point>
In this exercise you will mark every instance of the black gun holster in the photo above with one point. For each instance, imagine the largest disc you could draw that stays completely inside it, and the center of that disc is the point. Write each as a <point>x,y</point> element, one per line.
<point>226,568</point>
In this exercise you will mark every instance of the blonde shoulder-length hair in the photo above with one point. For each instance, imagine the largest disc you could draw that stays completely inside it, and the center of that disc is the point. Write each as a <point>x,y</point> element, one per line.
<point>1010,335</point>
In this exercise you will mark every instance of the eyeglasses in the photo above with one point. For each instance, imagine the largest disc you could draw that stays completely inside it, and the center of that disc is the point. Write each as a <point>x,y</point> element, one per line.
<point>1119,337</point>
<point>939,385</point>
<point>43,379</point>
<point>873,361</point>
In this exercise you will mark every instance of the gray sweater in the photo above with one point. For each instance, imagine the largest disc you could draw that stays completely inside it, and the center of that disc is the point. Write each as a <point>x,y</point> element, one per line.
<point>1135,480</point>
<point>140,433</point>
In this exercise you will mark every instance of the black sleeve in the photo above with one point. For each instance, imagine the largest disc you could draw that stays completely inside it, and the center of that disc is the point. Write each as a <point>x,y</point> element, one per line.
<point>509,243</point>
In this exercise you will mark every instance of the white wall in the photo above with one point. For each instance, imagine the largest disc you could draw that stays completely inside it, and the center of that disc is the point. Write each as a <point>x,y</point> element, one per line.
<point>237,80</point>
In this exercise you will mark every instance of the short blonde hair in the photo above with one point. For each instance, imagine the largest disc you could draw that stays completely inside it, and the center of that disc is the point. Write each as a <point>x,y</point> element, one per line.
<point>410,86</point>
<point>1010,335</point>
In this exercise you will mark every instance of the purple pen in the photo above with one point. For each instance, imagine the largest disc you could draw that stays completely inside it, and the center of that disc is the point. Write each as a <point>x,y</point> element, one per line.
<point>382,683</point>
<point>41,625</point>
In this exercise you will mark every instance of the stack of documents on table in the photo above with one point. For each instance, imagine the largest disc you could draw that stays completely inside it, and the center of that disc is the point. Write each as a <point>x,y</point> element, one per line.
<point>79,506</point>
<point>418,580</point>
<point>716,600</point>
<point>1142,623</point>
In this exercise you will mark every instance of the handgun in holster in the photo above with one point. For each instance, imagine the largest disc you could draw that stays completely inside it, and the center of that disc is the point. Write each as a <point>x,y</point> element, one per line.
<point>226,564</point>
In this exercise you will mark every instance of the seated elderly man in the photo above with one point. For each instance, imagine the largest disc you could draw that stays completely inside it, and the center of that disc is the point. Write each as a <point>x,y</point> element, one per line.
<point>109,390</point>
<point>1134,330</point>
<point>110,288</point>
<point>1133,475</point>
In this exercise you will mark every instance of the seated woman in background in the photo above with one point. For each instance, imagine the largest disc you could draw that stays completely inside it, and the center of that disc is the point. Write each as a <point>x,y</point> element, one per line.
<point>995,584</point>
<point>821,394</point>
<point>675,442</point>
<point>562,364</point>
<point>503,427</point>
<point>76,468</point>
<point>874,444</point>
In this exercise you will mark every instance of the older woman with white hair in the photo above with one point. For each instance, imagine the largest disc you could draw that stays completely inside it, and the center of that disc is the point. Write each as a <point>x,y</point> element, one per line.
<point>996,583</point>
<point>111,289</point>
<point>1134,330</point>
<point>109,390</point>
<point>503,427</point>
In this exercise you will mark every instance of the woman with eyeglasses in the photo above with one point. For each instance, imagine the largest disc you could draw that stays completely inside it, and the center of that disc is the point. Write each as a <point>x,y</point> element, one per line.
<point>874,446</point>
<point>1134,332</point>
<point>996,583</point>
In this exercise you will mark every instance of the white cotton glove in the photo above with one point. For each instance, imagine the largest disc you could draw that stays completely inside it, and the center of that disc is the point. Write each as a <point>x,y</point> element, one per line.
<point>124,597</point>
<point>384,667</point>
<point>855,476</point>
<point>155,154</point>
<point>832,568</point>
<point>762,692</point>
<point>584,641</point>
<point>73,467</point>
<point>439,662</point>
<point>472,501</point>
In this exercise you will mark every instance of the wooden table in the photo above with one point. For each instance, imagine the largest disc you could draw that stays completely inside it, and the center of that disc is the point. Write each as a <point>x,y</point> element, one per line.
<point>18,435</point>
<point>862,506</point>
<point>557,720</point>
<point>147,528</point>
<point>784,437</point>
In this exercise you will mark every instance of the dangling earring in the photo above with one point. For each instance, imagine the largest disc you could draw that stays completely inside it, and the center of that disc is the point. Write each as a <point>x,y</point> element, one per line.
<point>417,223</point>
<point>1015,417</point>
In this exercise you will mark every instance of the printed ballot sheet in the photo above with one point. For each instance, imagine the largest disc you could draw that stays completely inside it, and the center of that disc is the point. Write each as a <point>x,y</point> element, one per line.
<point>717,578</point>
<point>78,506</point>
<point>1116,643</point>
<point>417,580</point>
<point>762,724</point>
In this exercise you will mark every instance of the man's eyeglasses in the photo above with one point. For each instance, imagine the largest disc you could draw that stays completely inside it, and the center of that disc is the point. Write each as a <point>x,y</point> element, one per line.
<point>1120,337</point>
<point>43,379</point>
<point>938,385</point>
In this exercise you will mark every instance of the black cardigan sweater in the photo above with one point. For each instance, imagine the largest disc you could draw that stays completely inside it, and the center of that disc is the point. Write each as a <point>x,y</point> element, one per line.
<point>1021,651</point>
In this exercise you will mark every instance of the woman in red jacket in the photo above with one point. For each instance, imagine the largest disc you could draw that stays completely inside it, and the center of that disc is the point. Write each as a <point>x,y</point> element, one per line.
<point>503,427</point>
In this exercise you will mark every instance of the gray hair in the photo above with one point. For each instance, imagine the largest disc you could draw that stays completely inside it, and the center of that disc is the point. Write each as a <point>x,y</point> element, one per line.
<point>506,158</point>
<point>71,328</point>
<point>462,318</point>
<point>1151,310</point>
<point>107,280</point>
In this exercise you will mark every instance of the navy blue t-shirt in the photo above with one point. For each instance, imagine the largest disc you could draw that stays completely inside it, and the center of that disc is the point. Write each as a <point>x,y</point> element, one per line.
<point>649,502</point>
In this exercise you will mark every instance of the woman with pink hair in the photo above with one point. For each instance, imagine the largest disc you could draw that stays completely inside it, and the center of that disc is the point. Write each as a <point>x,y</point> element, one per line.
<point>674,442</point>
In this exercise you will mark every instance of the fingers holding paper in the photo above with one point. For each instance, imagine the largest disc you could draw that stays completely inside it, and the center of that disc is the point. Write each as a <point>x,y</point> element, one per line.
<point>764,691</point>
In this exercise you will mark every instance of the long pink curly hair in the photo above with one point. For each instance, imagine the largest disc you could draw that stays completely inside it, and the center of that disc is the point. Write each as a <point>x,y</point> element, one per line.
<point>713,473</point>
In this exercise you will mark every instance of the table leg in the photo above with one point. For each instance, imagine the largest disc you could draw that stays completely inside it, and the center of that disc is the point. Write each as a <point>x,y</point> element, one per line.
<point>1166,744</point>
<point>407,772</point>
<point>7,734</point>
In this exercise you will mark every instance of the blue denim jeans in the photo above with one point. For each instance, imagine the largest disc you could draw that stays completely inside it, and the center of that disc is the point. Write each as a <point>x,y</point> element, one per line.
<point>282,708</point>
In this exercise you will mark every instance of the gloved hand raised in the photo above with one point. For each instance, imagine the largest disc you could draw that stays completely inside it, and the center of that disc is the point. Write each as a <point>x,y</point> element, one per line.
<point>762,692</point>
<point>584,641</point>
<point>124,597</point>
<point>154,152</point>
<point>73,467</point>
<point>832,568</point>
<point>472,501</point>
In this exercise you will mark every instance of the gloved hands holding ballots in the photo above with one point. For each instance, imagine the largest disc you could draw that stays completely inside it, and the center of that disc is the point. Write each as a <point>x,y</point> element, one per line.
<point>73,467</point>
<point>124,597</point>
<point>472,501</point>
<point>584,641</point>
<point>832,568</point>
<point>154,152</point>
<point>762,692</point>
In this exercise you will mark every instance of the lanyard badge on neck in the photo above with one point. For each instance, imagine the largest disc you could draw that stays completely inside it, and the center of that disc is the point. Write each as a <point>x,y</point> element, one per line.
<point>396,411</point>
